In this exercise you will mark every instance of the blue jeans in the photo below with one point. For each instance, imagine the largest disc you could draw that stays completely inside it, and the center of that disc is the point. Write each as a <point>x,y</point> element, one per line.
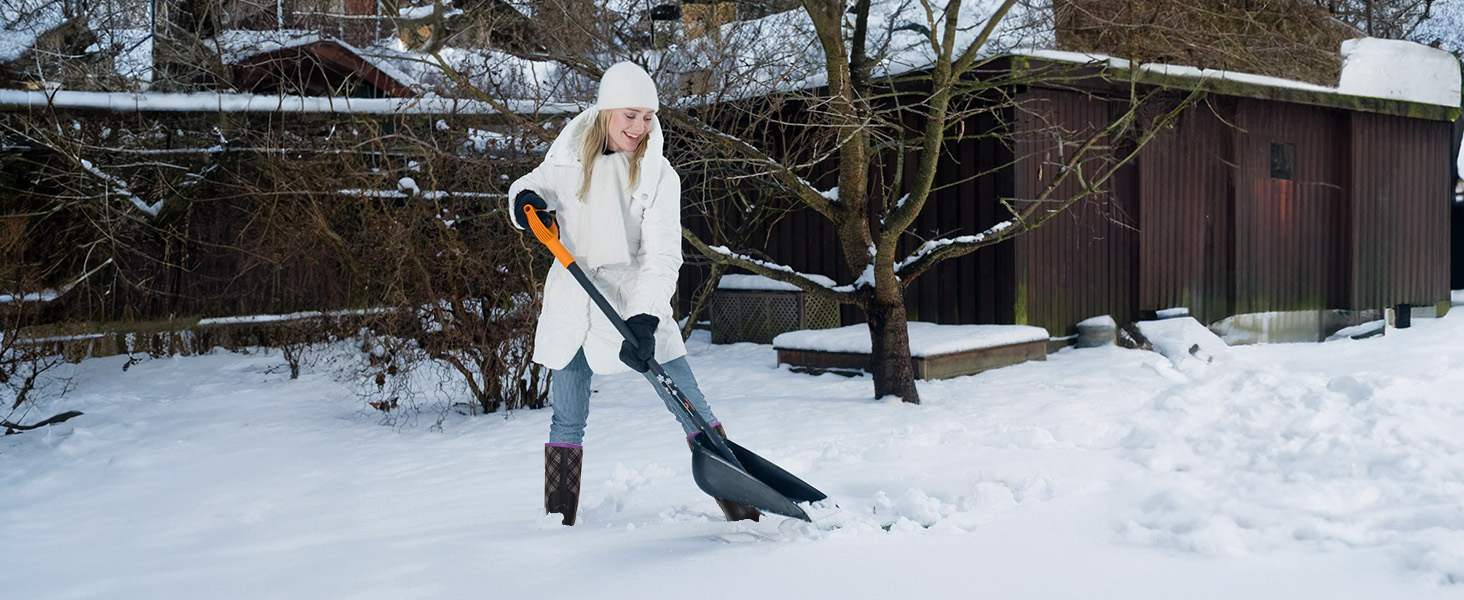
<point>570,394</point>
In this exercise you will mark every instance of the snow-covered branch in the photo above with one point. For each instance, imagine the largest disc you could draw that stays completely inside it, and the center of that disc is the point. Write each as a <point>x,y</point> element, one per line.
<point>807,283</point>
<point>934,251</point>
<point>118,186</point>
<point>50,295</point>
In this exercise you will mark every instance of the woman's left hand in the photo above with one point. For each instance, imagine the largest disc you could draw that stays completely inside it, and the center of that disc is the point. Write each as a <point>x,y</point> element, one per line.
<point>637,356</point>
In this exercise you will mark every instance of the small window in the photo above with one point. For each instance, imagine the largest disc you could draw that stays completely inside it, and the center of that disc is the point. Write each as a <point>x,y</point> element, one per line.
<point>1283,160</point>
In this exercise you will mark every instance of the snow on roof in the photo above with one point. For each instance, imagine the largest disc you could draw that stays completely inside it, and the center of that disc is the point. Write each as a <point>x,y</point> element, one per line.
<point>134,47</point>
<point>238,45</point>
<point>926,339</point>
<point>23,22</point>
<point>222,102</point>
<point>1399,70</point>
<point>1445,25</point>
<point>1373,68</point>
<point>766,284</point>
<point>781,52</point>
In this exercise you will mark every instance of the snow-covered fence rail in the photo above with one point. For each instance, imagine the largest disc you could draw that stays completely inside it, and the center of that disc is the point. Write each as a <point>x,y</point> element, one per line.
<point>217,102</point>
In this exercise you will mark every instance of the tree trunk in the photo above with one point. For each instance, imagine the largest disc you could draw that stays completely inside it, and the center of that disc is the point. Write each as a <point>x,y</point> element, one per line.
<point>889,359</point>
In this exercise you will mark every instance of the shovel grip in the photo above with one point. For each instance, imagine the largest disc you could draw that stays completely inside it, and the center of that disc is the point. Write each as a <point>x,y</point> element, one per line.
<point>549,236</point>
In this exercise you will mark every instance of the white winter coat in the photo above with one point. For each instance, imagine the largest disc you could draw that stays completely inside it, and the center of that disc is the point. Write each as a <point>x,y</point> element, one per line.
<point>569,320</point>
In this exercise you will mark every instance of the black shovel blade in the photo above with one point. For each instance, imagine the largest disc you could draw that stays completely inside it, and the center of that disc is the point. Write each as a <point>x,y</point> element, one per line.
<point>775,477</point>
<point>721,479</point>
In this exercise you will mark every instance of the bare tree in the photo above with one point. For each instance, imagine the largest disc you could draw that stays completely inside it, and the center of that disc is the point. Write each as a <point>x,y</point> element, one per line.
<point>875,93</point>
<point>28,371</point>
<point>1396,19</point>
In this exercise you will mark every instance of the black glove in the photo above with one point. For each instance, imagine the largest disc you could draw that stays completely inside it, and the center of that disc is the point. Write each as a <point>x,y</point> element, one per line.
<point>529,198</point>
<point>643,328</point>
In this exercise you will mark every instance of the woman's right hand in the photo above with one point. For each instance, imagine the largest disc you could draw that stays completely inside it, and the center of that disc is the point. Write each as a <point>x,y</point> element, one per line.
<point>529,198</point>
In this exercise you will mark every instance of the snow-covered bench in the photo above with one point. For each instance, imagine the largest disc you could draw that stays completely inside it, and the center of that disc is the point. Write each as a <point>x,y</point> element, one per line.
<point>937,351</point>
<point>753,308</point>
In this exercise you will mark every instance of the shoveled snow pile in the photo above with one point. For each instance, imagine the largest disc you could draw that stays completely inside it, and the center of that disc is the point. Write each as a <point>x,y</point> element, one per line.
<point>926,339</point>
<point>1184,341</point>
<point>1289,471</point>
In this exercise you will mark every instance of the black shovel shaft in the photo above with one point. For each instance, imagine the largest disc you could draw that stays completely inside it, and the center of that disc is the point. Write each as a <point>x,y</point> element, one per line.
<point>550,238</point>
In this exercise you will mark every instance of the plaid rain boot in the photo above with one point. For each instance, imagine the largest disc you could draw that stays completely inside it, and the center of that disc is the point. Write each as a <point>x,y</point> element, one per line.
<point>734,511</point>
<point>562,480</point>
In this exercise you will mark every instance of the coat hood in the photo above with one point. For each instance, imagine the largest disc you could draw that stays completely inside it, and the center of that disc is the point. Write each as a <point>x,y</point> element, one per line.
<point>566,147</point>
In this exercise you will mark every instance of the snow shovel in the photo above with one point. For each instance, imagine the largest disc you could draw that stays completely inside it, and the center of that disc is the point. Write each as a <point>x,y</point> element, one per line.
<point>721,468</point>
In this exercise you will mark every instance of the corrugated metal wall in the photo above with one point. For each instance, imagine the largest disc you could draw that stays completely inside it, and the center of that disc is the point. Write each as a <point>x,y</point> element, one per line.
<point>975,288</point>
<point>1197,221</point>
<point>1290,235</point>
<point>1401,206</point>
<point>1082,263</point>
<point>1185,214</point>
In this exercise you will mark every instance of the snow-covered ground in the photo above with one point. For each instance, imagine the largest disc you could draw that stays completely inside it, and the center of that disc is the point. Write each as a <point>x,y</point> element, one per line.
<point>1329,470</point>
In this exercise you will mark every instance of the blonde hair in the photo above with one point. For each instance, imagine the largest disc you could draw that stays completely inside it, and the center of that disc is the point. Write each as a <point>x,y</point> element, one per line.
<point>596,138</point>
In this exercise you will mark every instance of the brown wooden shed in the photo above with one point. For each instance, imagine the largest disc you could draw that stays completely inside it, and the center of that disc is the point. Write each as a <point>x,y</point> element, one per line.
<point>1261,198</point>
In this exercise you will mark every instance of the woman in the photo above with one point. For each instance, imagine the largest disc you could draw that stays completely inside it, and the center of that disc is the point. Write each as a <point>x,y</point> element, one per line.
<point>618,204</point>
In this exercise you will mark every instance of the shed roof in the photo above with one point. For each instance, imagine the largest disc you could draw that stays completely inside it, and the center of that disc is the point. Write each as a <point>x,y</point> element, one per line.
<point>1428,87</point>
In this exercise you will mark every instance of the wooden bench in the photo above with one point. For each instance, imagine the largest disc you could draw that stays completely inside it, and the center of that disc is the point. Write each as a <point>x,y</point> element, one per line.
<point>937,351</point>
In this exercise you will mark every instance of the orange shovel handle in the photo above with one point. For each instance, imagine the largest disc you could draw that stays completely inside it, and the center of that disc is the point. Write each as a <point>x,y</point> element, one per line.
<point>549,236</point>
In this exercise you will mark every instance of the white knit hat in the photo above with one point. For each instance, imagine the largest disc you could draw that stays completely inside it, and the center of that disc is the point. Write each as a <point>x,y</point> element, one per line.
<point>626,85</point>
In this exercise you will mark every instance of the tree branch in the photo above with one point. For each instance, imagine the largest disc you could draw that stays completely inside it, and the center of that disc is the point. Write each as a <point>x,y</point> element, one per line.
<point>777,272</point>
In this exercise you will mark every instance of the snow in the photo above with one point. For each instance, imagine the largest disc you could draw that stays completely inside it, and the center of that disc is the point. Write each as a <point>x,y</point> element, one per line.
<point>760,283</point>
<point>1377,327</point>
<point>417,13</point>
<point>926,339</point>
<point>1098,321</point>
<point>286,317</point>
<point>1456,297</point>
<point>1184,341</point>
<point>1445,25</point>
<point>933,245</point>
<point>23,22</point>
<point>815,279</point>
<point>1170,313</point>
<point>41,296</point>
<point>419,193</point>
<point>236,45</point>
<point>780,52</point>
<point>408,186</point>
<point>222,102</point>
<point>119,187</point>
<point>1291,471</point>
<point>1399,70</point>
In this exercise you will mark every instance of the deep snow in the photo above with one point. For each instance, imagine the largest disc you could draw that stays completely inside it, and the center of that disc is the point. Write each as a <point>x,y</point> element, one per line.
<point>1288,471</point>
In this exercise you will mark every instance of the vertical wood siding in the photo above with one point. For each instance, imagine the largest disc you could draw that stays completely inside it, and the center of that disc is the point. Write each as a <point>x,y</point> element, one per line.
<point>1082,262</point>
<point>1401,204</point>
<point>1196,221</point>
<point>1185,231</point>
<point>1290,235</point>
